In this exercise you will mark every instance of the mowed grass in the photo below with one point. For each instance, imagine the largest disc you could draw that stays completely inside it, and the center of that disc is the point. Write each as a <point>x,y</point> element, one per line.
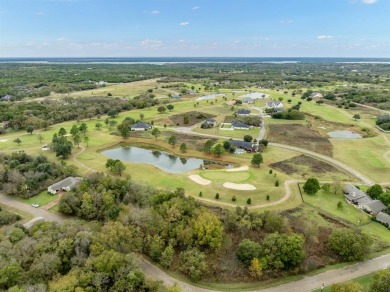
<point>328,201</point>
<point>41,199</point>
<point>366,281</point>
<point>364,155</point>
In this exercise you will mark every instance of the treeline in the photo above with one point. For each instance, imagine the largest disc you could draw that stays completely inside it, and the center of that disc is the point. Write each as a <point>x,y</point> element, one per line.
<point>383,122</point>
<point>37,80</point>
<point>25,176</point>
<point>48,112</point>
<point>207,243</point>
<point>72,257</point>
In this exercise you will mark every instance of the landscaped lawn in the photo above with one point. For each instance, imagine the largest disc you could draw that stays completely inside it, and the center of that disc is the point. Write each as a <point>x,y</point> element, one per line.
<point>327,201</point>
<point>41,199</point>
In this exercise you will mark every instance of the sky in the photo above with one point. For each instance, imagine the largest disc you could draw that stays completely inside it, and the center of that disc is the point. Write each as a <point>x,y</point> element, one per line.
<point>195,28</point>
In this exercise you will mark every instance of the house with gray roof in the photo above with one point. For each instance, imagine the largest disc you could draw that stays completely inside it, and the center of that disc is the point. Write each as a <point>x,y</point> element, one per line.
<point>248,100</point>
<point>353,194</point>
<point>207,124</point>
<point>192,92</point>
<point>373,207</point>
<point>237,125</point>
<point>383,218</point>
<point>6,97</point>
<point>248,146</point>
<point>65,185</point>
<point>274,104</point>
<point>140,127</point>
<point>243,112</point>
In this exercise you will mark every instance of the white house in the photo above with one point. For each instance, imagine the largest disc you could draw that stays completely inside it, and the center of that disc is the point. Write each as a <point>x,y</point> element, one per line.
<point>140,127</point>
<point>274,104</point>
<point>240,126</point>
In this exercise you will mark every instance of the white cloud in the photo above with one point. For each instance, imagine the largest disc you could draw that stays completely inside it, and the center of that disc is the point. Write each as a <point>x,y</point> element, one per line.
<point>39,13</point>
<point>287,21</point>
<point>150,43</point>
<point>325,37</point>
<point>153,12</point>
<point>195,8</point>
<point>61,39</point>
<point>369,1</point>
<point>184,23</point>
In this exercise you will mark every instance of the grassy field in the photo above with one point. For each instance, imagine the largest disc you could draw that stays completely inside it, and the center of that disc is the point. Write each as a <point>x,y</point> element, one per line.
<point>41,199</point>
<point>366,281</point>
<point>25,216</point>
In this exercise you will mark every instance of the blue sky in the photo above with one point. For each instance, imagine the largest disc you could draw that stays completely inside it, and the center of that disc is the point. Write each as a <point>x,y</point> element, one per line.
<point>136,28</point>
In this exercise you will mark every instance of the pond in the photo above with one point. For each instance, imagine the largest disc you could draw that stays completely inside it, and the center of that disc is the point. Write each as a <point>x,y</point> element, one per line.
<point>344,134</point>
<point>210,96</point>
<point>162,160</point>
<point>256,95</point>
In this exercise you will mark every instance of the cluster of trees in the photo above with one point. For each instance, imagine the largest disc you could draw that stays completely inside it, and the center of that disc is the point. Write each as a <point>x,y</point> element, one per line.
<point>377,193</point>
<point>289,114</point>
<point>217,149</point>
<point>72,257</point>
<point>26,176</point>
<point>7,217</point>
<point>383,122</point>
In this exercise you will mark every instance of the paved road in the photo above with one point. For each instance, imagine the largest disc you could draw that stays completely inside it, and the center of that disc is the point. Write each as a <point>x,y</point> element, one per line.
<point>36,212</point>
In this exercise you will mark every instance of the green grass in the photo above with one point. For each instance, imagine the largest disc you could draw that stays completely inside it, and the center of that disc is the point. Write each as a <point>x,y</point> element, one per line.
<point>25,216</point>
<point>41,199</point>
<point>366,281</point>
<point>327,201</point>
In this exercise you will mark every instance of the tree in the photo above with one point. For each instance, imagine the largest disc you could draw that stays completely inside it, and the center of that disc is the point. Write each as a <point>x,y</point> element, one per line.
<point>186,120</point>
<point>217,196</point>
<point>264,142</point>
<point>337,186</point>
<point>248,138</point>
<point>10,274</point>
<point>311,186</point>
<point>170,107</point>
<point>249,201</point>
<point>156,132</point>
<point>98,125</point>
<point>193,263</point>
<point>375,191</point>
<point>83,128</point>
<point>276,183</point>
<point>218,150</point>
<point>86,140</point>
<point>248,250</point>
<point>208,230</point>
<point>347,287</point>
<point>226,145</point>
<point>256,268</point>
<point>18,141</point>
<point>161,109</point>
<point>356,117</point>
<point>40,138</point>
<point>63,147</point>
<point>208,146</point>
<point>172,140</point>
<point>141,116</point>
<point>381,281</point>
<point>115,166</point>
<point>30,129</point>
<point>124,130</point>
<point>183,147</point>
<point>282,251</point>
<point>77,140</point>
<point>74,130</point>
<point>349,244</point>
<point>112,123</point>
<point>62,132</point>
<point>167,256</point>
<point>257,159</point>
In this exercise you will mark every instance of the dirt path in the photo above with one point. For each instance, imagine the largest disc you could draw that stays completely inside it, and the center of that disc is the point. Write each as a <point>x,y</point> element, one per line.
<point>74,158</point>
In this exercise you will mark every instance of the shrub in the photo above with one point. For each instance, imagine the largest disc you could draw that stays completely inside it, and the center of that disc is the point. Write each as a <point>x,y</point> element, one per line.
<point>234,198</point>
<point>217,196</point>
<point>249,201</point>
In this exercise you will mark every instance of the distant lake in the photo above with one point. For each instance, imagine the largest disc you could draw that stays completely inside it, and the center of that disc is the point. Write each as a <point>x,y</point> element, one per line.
<point>256,95</point>
<point>210,96</point>
<point>162,160</point>
<point>344,134</point>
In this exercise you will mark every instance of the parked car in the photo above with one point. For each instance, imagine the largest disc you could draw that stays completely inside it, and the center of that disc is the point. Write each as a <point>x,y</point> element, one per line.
<point>35,205</point>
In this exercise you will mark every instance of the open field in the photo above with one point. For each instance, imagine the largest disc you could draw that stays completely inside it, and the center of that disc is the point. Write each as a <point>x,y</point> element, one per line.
<point>41,199</point>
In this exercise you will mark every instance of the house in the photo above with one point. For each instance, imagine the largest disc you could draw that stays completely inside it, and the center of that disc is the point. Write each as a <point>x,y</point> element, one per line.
<point>175,95</point>
<point>209,124</point>
<point>248,100</point>
<point>101,83</point>
<point>274,104</point>
<point>356,196</point>
<point>191,92</point>
<point>140,127</point>
<point>316,95</point>
<point>247,146</point>
<point>243,112</point>
<point>383,218</point>
<point>231,102</point>
<point>373,207</point>
<point>237,125</point>
<point>65,185</point>
<point>45,147</point>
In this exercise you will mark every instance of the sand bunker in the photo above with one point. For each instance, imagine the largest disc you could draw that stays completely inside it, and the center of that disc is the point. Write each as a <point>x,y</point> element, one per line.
<point>3,140</point>
<point>240,187</point>
<point>241,168</point>
<point>199,180</point>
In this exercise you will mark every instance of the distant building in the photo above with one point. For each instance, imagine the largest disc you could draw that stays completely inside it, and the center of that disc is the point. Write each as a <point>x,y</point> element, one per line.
<point>101,83</point>
<point>316,95</point>
<point>176,95</point>
<point>383,218</point>
<point>274,104</point>
<point>208,124</point>
<point>356,196</point>
<point>243,112</point>
<point>247,146</point>
<point>248,100</point>
<point>45,147</point>
<point>373,207</point>
<point>237,125</point>
<point>6,98</point>
<point>140,127</point>
<point>65,185</point>
<point>191,92</point>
